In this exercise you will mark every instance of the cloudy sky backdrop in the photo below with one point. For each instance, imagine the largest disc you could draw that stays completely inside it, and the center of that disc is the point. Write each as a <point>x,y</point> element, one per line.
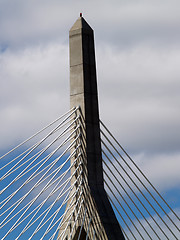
<point>138,69</point>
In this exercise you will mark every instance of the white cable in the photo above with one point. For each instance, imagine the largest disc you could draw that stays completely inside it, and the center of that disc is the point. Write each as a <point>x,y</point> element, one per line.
<point>40,205</point>
<point>28,182</point>
<point>73,109</point>
<point>14,225</point>
<point>41,152</point>
<point>49,145</point>
<point>62,217</point>
<point>28,225</point>
<point>69,206</point>
<point>55,214</point>
<point>14,159</point>
<point>70,218</point>
<point>76,218</point>
<point>22,174</point>
<point>31,202</point>
<point>43,164</point>
<point>69,179</point>
<point>77,215</point>
<point>58,169</point>
<point>10,171</point>
<point>37,184</point>
<point>25,196</point>
<point>60,195</point>
<point>72,188</point>
<point>7,174</point>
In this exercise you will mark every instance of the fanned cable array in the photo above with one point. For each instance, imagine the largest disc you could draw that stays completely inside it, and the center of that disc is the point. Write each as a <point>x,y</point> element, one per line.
<point>44,192</point>
<point>36,178</point>
<point>139,207</point>
<point>39,177</point>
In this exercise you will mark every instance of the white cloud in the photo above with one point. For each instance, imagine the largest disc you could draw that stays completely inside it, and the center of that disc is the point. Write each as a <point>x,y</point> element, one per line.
<point>162,170</point>
<point>143,86</point>
<point>156,228</point>
<point>34,89</point>
<point>120,22</point>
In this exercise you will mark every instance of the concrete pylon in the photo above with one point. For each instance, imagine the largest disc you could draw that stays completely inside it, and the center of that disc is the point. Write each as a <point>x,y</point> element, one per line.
<point>83,93</point>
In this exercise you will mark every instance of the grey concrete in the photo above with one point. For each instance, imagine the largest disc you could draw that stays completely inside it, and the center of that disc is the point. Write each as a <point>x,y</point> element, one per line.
<point>83,93</point>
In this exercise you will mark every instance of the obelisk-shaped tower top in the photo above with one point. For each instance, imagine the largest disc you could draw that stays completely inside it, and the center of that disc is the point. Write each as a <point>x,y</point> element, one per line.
<point>81,23</point>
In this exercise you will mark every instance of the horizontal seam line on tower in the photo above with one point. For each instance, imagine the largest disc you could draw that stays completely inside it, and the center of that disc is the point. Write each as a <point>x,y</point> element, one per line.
<point>77,65</point>
<point>83,63</point>
<point>91,94</point>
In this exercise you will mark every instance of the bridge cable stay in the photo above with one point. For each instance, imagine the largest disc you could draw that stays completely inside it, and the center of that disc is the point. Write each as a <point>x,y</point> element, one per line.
<point>110,134</point>
<point>131,220</point>
<point>24,211</point>
<point>61,177</point>
<point>34,183</point>
<point>140,200</point>
<point>151,230</point>
<point>123,198</point>
<point>64,185</point>
<point>61,218</point>
<point>13,169</point>
<point>30,178</point>
<point>146,204</point>
<point>81,216</point>
<point>106,175</point>
<point>128,184</point>
<point>37,185</point>
<point>71,111</point>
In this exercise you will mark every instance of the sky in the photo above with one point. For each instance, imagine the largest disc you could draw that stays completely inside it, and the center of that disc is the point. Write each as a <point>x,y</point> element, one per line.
<point>137,55</point>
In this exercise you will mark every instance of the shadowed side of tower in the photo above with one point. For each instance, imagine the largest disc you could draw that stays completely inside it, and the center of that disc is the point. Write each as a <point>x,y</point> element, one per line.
<point>83,93</point>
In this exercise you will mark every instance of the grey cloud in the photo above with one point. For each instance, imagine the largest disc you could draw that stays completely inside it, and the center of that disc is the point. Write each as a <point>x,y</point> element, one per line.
<point>34,90</point>
<point>154,226</point>
<point>139,96</point>
<point>115,22</point>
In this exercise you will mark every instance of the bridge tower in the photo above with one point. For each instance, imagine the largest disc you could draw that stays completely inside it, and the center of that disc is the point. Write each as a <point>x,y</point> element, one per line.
<point>83,93</point>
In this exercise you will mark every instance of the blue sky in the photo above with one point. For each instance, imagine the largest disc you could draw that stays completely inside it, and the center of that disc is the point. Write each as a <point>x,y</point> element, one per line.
<point>138,55</point>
